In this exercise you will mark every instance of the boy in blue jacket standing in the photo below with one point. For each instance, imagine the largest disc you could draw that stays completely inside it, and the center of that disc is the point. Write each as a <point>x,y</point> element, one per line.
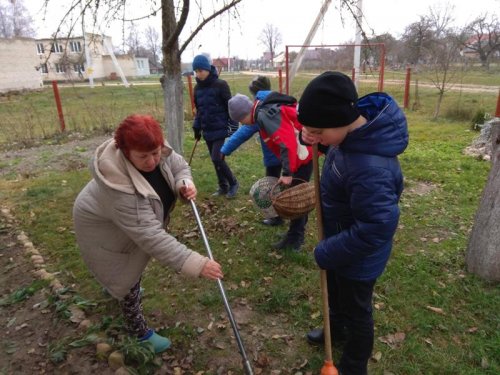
<point>260,88</point>
<point>361,184</point>
<point>211,95</point>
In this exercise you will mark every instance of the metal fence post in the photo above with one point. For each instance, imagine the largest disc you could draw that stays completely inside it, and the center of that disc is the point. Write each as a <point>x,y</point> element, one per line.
<point>406,100</point>
<point>59,105</point>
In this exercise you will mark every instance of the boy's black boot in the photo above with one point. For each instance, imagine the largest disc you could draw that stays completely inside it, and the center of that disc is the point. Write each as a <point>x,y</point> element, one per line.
<point>233,189</point>
<point>289,242</point>
<point>317,336</point>
<point>222,190</point>
<point>273,221</point>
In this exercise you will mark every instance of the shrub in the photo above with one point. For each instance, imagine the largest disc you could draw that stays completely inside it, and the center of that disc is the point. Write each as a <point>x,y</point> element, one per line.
<point>479,118</point>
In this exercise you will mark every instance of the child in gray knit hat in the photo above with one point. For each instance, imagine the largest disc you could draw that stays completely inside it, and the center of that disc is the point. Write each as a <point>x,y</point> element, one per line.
<point>260,88</point>
<point>276,117</point>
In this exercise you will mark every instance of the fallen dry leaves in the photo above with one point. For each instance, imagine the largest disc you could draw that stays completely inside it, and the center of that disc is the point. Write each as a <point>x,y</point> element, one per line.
<point>393,340</point>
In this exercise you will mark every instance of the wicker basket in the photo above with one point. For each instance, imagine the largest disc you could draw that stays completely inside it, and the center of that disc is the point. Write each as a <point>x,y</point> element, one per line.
<point>260,192</point>
<point>294,202</point>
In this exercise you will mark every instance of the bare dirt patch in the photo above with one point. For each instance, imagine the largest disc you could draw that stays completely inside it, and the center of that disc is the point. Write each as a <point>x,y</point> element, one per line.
<point>29,329</point>
<point>420,188</point>
<point>29,162</point>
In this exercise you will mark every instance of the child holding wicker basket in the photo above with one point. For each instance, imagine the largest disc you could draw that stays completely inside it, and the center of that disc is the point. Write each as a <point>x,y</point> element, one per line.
<point>361,185</point>
<point>279,128</point>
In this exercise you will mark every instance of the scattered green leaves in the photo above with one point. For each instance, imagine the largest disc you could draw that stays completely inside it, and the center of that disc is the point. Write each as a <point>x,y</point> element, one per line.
<point>23,293</point>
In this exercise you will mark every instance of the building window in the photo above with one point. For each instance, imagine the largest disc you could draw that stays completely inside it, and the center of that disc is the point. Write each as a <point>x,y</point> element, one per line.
<point>75,46</point>
<point>59,68</point>
<point>140,64</point>
<point>44,68</point>
<point>40,49</point>
<point>78,68</point>
<point>56,47</point>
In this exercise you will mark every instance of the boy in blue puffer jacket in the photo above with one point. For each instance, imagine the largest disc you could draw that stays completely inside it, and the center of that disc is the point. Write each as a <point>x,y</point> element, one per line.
<point>260,88</point>
<point>211,95</point>
<point>361,185</point>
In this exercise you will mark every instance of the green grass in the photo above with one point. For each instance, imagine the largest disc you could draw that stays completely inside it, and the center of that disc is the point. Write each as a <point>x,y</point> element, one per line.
<point>280,292</point>
<point>32,118</point>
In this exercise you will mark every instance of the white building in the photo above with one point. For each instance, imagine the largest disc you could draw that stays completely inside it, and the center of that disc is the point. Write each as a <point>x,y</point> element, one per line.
<point>19,68</point>
<point>25,63</point>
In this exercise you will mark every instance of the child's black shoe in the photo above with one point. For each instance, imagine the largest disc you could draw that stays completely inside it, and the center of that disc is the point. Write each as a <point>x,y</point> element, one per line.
<point>273,221</point>
<point>288,243</point>
<point>232,190</point>
<point>317,337</point>
<point>220,191</point>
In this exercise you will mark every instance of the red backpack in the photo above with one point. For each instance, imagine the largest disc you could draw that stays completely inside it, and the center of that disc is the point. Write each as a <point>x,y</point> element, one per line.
<point>279,126</point>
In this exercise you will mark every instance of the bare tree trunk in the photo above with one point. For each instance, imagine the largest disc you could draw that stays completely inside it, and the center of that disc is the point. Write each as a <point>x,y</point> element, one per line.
<point>483,251</point>
<point>172,80</point>
<point>438,105</point>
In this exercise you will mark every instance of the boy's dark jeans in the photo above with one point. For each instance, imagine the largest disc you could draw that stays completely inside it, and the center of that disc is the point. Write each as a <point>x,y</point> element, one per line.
<point>224,174</point>
<point>351,307</point>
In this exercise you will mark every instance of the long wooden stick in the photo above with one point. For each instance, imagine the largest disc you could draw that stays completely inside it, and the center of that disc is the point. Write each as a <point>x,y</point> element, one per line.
<point>192,152</point>
<point>328,366</point>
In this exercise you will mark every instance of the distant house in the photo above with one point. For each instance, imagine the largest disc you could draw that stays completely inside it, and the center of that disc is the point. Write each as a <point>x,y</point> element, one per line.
<point>155,68</point>
<point>224,64</point>
<point>471,46</point>
<point>19,68</point>
<point>64,59</point>
<point>279,60</point>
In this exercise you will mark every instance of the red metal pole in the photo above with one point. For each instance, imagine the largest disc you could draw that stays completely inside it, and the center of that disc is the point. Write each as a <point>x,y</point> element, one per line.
<point>382,70</point>
<point>58,104</point>
<point>280,80</point>
<point>406,99</point>
<point>191,97</point>
<point>353,74</point>
<point>497,113</point>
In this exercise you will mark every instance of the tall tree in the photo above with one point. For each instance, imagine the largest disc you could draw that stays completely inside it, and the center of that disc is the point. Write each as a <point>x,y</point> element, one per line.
<point>153,44</point>
<point>416,38</point>
<point>444,67</point>
<point>15,20</point>
<point>133,41</point>
<point>172,79</point>
<point>270,37</point>
<point>483,255</point>
<point>483,37</point>
<point>441,51</point>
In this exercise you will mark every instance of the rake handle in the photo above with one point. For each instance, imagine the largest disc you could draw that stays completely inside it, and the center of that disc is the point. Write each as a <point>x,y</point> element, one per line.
<point>328,368</point>
<point>192,152</point>
<point>246,362</point>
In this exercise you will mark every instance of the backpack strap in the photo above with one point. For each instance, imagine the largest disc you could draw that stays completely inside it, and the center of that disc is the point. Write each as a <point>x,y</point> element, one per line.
<point>278,98</point>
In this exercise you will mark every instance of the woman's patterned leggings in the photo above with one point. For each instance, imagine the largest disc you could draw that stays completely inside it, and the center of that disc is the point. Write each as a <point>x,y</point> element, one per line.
<point>131,305</point>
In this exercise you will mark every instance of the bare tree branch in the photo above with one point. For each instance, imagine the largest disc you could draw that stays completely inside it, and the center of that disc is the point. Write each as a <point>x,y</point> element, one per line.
<point>180,25</point>
<point>201,25</point>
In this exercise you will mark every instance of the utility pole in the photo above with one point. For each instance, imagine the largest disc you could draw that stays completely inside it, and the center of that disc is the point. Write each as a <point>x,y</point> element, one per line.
<point>229,43</point>
<point>88,62</point>
<point>309,38</point>
<point>357,47</point>
<point>109,47</point>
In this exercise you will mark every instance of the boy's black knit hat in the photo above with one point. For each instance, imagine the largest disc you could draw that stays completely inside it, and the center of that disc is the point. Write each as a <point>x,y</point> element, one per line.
<point>259,83</point>
<point>328,101</point>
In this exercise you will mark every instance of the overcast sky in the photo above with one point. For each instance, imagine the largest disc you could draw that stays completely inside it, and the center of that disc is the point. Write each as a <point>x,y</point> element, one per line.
<point>293,18</point>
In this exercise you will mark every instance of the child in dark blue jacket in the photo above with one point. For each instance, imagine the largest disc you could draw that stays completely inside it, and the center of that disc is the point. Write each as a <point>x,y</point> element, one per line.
<point>260,88</point>
<point>211,95</point>
<point>361,185</point>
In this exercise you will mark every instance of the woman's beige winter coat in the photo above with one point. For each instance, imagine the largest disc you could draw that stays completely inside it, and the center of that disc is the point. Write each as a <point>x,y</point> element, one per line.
<point>118,220</point>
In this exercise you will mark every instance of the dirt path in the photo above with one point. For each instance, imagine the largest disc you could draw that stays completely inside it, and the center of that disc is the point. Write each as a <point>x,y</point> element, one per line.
<point>31,328</point>
<point>27,162</point>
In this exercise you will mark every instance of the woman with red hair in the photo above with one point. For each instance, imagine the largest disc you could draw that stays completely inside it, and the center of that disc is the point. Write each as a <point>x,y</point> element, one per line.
<point>120,217</point>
